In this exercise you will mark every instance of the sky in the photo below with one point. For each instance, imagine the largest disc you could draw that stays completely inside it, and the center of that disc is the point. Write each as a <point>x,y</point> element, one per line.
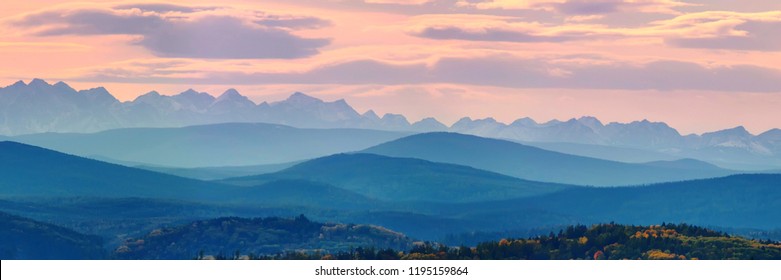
<point>698,65</point>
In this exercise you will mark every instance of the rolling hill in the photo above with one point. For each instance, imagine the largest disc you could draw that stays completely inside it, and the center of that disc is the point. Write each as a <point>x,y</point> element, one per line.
<point>612,153</point>
<point>400,193</point>
<point>612,242</point>
<point>218,172</point>
<point>29,171</point>
<point>33,171</point>
<point>738,201</point>
<point>303,193</point>
<point>536,164</point>
<point>257,236</point>
<point>405,179</point>
<point>26,239</point>
<point>229,144</point>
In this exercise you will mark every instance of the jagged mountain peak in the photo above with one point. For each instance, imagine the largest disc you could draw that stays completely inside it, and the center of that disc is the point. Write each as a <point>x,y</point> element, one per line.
<point>191,91</point>
<point>393,116</point>
<point>371,115</point>
<point>738,131</point>
<point>63,85</point>
<point>302,97</point>
<point>525,121</point>
<point>148,97</point>
<point>429,124</point>
<point>151,93</point>
<point>233,96</point>
<point>429,119</point>
<point>775,133</point>
<point>589,120</point>
<point>341,102</point>
<point>464,119</point>
<point>193,95</point>
<point>231,92</point>
<point>98,91</point>
<point>19,83</point>
<point>38,82</point>
<point>551,122</point>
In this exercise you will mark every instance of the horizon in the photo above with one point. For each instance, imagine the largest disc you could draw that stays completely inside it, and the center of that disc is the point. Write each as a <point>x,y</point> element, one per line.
<point>411,121</point>
<point>696,65</point>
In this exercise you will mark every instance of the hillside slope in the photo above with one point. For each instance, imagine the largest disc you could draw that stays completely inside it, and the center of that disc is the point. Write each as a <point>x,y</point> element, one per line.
<point>227,144</point>
<point>405,179</point>
<point>257,236</point>
<point>26,239</point>
<point>535,164</point>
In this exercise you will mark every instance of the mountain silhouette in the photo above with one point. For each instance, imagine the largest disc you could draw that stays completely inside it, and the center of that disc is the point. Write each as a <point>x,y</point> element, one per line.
<point>536,164</point>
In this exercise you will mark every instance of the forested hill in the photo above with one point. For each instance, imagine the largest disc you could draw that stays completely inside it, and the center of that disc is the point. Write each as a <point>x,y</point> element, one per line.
<point>598,242</point>
<point>233,236</point>
<point>25,239</point>
<point>615,242</point>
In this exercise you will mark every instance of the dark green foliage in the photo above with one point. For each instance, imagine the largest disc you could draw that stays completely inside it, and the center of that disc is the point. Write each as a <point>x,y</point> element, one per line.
<point>257,236</point>
<point>22,238</point>
<point>406,179</point>
<point>748,201</point>
<point>600,242</point>
<point>114,219</point>
<point>612,241</point>
<point>537,164</point>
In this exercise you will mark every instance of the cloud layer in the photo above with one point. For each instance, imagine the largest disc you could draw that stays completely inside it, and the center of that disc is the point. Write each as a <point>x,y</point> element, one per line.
<point>711,30</point>
<point>188,32</point>
<point>499,71</point>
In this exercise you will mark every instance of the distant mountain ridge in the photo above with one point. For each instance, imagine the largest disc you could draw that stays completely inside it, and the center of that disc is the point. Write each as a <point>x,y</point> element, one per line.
<point>42,107</point>
<point>537,164</point>
<point>404,179</point>
<point>408,195</point>
<point>225,144</point>
<point>733,148</point>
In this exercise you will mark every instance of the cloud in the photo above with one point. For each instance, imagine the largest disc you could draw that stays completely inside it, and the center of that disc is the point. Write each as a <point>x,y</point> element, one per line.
<point>726,30</point>
<point>399,2</point>
<point>293,22</point>
<point>163,7</point>
<point>502,29</point>
<point>179,31</point>
<point>589,7</point>
<point>581,7</point>
<point>567,72</point>
<point>582,18</point>
<point>760,36</point>
<point>226,37</point>
<point>489,34</point>
<point>711,30</point>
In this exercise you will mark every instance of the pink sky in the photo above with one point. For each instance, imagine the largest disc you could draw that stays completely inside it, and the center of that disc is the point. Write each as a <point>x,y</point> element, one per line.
<point>697,65</point>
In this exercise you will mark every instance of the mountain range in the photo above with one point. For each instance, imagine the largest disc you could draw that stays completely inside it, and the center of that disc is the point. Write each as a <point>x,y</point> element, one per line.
<point>405,179</point>
<point>733,148</point>
<point>227,144</point>
<point>423,199</point>
<point>40,107</point>
<point>536,164</point>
